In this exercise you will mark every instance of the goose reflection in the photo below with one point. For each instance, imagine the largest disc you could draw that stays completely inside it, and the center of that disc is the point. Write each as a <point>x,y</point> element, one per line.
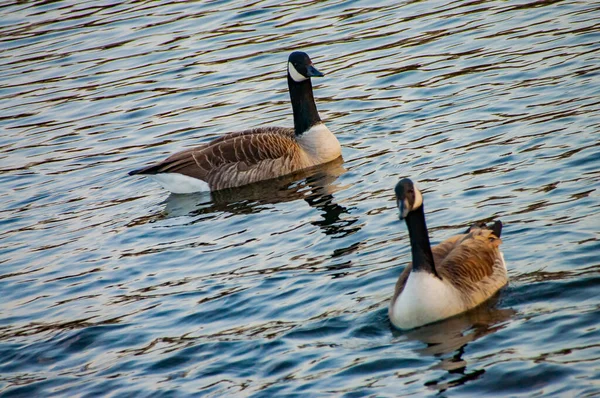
<point>316,186</point>
<point>448,339</point>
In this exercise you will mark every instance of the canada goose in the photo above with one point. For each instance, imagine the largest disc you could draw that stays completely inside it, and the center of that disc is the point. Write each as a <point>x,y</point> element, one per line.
<point>452,277</point>
<point>244,157</point>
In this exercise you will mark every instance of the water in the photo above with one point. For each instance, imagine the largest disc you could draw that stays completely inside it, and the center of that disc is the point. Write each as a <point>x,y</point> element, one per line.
<point>112,287</point>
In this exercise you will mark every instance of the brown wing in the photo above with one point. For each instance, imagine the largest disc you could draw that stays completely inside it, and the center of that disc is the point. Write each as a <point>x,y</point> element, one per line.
<point>235,158</point>
<point>474,258</point>
<point>441,251</point>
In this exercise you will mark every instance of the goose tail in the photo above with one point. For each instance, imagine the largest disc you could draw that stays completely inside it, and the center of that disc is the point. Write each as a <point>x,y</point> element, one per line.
<point>144,170</point>
<point>496,227</point>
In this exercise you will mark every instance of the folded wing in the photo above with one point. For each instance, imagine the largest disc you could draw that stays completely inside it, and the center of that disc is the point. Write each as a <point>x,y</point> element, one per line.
<point>235,159</point>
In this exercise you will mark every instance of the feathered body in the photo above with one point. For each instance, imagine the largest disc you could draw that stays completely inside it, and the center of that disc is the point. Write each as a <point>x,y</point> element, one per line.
<point>458,274</point>
<point>249,156</point>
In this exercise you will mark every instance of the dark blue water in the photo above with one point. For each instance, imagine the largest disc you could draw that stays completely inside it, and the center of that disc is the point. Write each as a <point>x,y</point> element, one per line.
<point>110,286</point>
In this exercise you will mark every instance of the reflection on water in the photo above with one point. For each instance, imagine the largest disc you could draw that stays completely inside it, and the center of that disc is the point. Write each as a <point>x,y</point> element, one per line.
<point>316,187</point>
<point>281,288</point>
<point>448,340</point>
<point>252,198</point>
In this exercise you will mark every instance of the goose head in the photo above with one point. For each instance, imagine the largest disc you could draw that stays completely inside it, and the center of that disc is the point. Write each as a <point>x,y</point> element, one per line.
<point>300,67</point>
<point>408,197</point>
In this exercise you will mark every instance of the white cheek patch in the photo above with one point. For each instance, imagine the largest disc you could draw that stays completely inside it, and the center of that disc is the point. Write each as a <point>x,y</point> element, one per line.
<point>418,198</point>
<point>296,76</point>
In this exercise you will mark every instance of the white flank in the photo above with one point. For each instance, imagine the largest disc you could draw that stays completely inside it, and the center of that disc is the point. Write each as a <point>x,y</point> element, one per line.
<point>425,299</point>
<point>178,183</point>
<point>297,76</point>
<point>320,144</point>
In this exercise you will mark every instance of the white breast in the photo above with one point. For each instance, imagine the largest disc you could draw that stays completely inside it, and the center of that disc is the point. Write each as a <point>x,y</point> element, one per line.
<point>320,145</point>
<point>425,299</point>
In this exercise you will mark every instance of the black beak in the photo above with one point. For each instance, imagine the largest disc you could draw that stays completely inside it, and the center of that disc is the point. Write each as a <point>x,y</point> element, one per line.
<point>400,204</point>
<point>311,71</point>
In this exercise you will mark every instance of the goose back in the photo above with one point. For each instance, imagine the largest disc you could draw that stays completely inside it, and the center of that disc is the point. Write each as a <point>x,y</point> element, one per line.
<point>238,158</point>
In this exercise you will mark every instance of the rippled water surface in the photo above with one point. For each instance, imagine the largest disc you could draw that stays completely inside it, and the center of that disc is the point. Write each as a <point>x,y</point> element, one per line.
<point>111,286</point>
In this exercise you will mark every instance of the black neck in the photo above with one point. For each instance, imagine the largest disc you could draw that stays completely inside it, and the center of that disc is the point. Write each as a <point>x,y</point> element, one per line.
<point>303,105</point>
<point>422,257</point>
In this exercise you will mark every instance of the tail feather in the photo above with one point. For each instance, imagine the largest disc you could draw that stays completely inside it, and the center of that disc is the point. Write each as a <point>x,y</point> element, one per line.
<point>144,170</point>
<point>496,227</point>
<point>476,225</point>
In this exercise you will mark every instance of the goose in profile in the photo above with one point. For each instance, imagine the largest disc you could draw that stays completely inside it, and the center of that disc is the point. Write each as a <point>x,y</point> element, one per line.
<point>448,279</point>
<point>244,157</point>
